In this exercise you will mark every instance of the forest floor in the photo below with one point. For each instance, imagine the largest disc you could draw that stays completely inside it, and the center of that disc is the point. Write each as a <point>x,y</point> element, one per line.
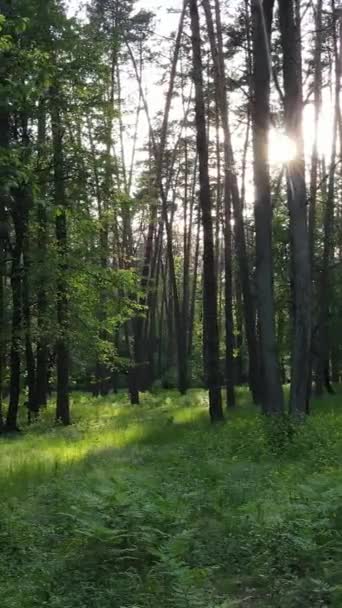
<point>151,507</point>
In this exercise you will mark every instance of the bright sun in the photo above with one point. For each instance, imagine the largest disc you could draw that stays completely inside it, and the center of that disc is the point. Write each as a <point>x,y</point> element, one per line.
<point>281,149</point>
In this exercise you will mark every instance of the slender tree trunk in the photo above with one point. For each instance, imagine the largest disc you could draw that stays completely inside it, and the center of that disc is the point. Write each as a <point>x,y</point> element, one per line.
<point>150,333</point>
<point>221,95</point>
<point>240,236</point>
<point>133,388</point>
<point>239,357</point>
<point>29,354</point>
<point>62,342</point>
<point>335,364</point>
<point>230,376</point>
<point>272,397</point>
<point>102,199</point>
<point>16,252</point>
<point>158,152</point>
<point>325,287</point>
<point>194,290</point>
<point>297,200</point>
<point>20,213</point>
<point>317,110</point>
<point>2,315</point>
<point>187,232</point>
<point>209,277</point>
<point>315,161</point>
<point>16,338</point>
<point>4,242</point>
<point>42,305</point>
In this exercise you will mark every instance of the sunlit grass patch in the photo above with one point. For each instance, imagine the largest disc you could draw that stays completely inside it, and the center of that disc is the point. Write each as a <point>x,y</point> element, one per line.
<point>98,425</point>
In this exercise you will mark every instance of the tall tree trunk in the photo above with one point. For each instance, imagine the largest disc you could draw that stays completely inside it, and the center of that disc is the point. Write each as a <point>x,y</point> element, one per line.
<point>229,323</point>
<point>315,160</point>
<point>4,233</point>
<point>272,397</point>
<point>325,287</point>
<point>29,354</point>
<point>42,239</point>
<point>158,152</point>
<point>221,95</point>
<point>239,357</point>
<point>102,200</point>
<point>2,345</point>
<point>104,209</point>
<point>194,290</point>
<point>335,363</point>
<point>5,179</point>
<point>187,233</point>
<point>317,111</point>
<point>209,277</point>
<point>239,231</point>
<point>297,200</point>
<point>27,202</point>
<point>62,342</point>
<point>150,333</point>
<point>16,284</point>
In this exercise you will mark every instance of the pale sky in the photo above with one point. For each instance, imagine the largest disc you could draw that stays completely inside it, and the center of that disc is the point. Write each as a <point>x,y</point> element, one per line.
<point>164,22</point>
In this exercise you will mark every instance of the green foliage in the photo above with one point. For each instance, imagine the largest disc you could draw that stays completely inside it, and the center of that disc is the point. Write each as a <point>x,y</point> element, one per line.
<point>44,51</point>
<point>151,507</point>
<point>280,432</point>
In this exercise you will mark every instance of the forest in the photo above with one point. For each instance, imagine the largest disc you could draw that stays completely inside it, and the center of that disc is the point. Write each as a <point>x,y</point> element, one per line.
<point>170,303</point>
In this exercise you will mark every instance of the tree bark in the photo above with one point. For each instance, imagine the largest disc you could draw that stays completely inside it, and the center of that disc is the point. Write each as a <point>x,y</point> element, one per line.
<point>221,95</point>
<point>1,339</point>
<point>32,405</point>
<point>325,286</point>
<point>315,161</point>
<point>16,284</point>
<point>209,276</point>
<point>272,396</point>
<point>4,238</point>
<point>240,238</point>
<point>62,343</point>
<point>297,201</point>
<point>317,110</point>
<point>158,153</point>
<point>42,238</point>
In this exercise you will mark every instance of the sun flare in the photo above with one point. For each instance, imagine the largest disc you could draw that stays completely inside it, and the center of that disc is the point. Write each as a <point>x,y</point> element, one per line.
<point>280,148</point>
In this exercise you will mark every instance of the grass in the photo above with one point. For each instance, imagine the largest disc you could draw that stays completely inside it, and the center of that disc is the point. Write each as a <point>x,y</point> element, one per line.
<point>151,507</point>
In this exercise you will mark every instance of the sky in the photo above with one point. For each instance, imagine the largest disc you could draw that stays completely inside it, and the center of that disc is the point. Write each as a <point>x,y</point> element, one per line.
<point>164,22</point>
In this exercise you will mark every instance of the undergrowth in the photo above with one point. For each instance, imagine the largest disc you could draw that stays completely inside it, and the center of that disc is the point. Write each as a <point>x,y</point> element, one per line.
<point>150,507</point>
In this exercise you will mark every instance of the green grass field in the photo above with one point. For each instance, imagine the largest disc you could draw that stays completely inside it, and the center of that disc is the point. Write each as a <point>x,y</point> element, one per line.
<point>151,507</point>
